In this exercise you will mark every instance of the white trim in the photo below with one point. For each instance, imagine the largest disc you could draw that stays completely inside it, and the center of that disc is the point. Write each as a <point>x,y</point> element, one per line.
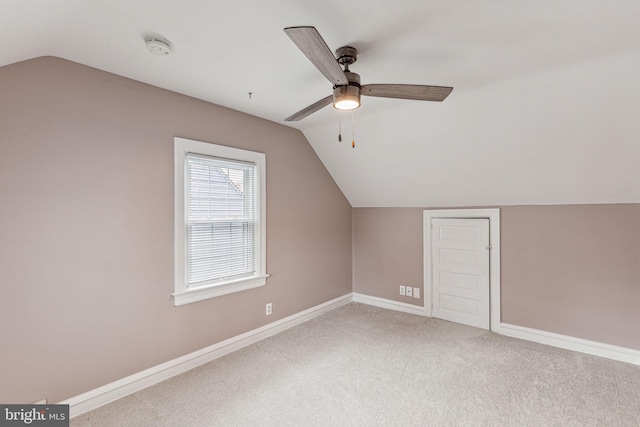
<point>388,304</point>
<point>493,215</point>
<point>108,393</point>
<point>181,147</point>
<point>198,294</point>
<point>609,351</point>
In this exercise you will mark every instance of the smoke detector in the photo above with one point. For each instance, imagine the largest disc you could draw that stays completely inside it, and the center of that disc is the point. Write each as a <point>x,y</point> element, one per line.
<point>158,45</point>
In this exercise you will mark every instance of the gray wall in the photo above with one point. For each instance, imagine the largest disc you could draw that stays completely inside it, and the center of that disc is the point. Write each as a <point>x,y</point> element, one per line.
<point>86,228</point>
<point>387,252</point>
<point>572,270</point>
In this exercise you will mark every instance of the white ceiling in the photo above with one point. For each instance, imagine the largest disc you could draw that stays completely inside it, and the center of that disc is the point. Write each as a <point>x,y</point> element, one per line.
<point>545,107</point>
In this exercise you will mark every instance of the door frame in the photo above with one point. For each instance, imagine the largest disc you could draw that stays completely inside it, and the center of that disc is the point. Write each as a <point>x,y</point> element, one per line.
<point>493,215</point>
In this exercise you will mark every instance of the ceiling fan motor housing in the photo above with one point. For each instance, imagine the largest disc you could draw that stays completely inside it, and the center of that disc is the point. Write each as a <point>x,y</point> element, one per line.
<point>353,78</point>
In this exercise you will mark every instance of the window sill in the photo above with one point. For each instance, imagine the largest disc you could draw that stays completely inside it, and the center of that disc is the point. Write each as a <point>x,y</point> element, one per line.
<point>206,292</point>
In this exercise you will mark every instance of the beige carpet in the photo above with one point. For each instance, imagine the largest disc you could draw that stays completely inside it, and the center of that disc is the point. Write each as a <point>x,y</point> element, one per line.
<point>364,366</point>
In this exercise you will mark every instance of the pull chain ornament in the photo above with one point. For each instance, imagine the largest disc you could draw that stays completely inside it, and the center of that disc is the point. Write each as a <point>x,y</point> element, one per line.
<point>339,126</point>
<point>353,129</point>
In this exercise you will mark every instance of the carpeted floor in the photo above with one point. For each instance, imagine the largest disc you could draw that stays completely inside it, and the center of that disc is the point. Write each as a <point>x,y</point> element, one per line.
<point>365,366</point>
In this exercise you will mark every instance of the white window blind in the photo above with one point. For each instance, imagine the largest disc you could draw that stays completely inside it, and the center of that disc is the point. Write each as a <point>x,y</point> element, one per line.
<point>221,220</point>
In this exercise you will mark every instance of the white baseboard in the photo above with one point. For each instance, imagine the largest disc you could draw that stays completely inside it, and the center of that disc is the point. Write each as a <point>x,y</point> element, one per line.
<point>609,351</point>
<point>388,304</point>
<point>108,393</point>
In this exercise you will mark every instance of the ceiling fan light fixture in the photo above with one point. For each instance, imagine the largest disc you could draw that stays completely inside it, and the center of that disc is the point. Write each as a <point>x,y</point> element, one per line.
<point>346,98</point>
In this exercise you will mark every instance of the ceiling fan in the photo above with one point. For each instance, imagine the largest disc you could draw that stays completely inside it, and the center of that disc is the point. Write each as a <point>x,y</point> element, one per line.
<point>346,85</point>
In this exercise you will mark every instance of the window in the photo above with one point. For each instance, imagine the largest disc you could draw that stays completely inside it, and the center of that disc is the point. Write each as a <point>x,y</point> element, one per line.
<point>219,216</point>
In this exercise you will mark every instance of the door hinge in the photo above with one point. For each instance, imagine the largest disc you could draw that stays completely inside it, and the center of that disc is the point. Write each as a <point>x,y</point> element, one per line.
<point>489,247</point>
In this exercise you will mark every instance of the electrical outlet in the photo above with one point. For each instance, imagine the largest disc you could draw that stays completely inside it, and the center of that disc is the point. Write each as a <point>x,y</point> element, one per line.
<point>269,309</point>
<point>409,291</point>
<point>416,292</point>
<point>402,290</point>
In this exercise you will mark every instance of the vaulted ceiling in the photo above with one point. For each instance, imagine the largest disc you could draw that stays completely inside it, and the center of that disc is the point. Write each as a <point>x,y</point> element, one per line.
<point>545,107</point>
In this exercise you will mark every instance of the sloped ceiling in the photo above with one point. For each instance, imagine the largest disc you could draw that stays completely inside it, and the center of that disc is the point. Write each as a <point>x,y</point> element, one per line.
<point>545,110</point>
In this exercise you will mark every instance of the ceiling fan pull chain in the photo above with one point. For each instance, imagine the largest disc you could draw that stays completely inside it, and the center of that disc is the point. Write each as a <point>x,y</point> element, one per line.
<point>353,129</point>
<point>339,126</point>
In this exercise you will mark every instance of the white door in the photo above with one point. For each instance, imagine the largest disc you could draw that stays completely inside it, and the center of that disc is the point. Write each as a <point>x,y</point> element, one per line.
<point>460,254</point>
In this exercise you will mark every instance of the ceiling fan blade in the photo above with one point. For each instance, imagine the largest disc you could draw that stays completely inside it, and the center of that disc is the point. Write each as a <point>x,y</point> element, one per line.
<point>418,92</point>
<point>310,42</point>
<point>310,109</point>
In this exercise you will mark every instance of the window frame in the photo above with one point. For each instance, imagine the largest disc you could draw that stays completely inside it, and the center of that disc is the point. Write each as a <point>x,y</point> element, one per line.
<point>181,293</point>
